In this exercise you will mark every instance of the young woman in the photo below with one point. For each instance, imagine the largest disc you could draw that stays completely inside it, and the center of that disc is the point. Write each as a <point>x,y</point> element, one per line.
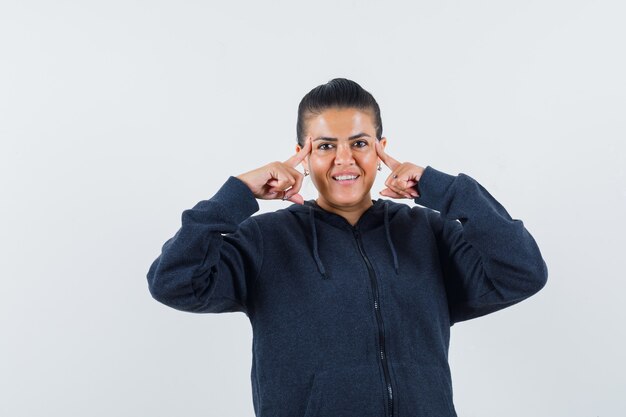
<point>351,300</point>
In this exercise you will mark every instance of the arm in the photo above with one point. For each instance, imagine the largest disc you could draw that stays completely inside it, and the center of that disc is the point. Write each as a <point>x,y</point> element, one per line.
<point>490,261</point>
<point>210,264</point>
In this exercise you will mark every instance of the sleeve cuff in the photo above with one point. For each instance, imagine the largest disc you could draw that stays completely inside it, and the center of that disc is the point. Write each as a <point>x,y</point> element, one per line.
<point>237,199</point>
<point>432,188</point>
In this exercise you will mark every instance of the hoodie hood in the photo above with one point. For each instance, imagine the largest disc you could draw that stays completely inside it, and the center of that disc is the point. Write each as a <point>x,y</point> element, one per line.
<point>379,214</point>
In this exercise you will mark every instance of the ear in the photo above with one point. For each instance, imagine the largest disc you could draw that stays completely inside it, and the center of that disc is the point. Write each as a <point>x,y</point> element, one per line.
<point>383,143</point>
<point>305,161</point>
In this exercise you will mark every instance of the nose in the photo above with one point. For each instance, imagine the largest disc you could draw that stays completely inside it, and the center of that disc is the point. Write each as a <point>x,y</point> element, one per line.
<point>344,155</point>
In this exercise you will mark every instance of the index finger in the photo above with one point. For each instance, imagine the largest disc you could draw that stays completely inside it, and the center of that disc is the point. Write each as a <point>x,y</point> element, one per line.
<point>387,160</point>
<point>295,160</point>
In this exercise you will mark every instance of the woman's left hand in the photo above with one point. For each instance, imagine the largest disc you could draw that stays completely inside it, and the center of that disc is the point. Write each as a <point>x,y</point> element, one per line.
<point>403,178</point>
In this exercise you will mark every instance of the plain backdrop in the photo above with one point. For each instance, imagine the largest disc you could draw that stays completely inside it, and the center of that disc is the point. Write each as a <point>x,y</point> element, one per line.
<point>116,116</point>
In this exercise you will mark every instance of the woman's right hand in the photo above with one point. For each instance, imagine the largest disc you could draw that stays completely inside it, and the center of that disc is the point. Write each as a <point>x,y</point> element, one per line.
<point>278,180</point>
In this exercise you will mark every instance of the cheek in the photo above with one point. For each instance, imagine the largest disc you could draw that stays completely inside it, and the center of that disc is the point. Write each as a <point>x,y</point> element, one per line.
<point>318,164</point>
<point>368,159</point>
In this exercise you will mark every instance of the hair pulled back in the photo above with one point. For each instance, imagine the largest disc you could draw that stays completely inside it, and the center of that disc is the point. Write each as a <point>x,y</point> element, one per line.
<point>339,93</point>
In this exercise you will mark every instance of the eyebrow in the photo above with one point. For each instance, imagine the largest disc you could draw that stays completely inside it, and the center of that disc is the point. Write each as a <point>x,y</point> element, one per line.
<point>358,135</point>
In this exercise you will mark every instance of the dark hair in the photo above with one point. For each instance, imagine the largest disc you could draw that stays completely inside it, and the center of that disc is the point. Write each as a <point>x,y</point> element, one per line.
<point>341,93</point>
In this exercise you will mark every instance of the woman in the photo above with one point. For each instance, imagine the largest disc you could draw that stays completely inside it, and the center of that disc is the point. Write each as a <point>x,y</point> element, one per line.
<point>350,300</point>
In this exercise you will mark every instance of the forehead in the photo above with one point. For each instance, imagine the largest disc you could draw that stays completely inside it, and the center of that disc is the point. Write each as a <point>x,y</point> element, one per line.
<point>341,122</point>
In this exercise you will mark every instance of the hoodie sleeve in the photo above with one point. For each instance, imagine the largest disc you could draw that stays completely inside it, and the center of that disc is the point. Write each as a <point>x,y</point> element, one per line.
<point>489,260</point>
<point>210,264</point>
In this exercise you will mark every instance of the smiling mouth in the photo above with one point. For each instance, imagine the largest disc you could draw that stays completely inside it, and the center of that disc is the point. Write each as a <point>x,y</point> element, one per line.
<point>345,177</point>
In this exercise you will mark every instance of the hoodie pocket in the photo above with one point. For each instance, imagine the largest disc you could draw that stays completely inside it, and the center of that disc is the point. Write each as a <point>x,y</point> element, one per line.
<point>423,391</point>
<point>347,392</point>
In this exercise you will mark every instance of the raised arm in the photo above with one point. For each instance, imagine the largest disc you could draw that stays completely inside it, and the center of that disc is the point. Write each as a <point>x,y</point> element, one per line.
<point>489,260</point>
<point>210,265</point>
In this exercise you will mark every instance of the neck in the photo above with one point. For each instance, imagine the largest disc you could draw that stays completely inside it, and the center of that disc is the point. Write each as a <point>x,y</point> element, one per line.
<point>351,213</point>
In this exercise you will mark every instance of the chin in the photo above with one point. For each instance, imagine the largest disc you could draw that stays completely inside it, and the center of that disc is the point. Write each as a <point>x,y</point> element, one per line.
<point>346,201</point>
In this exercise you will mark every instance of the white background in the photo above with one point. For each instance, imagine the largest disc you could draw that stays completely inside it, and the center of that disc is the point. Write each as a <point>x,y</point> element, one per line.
<point>116,116</point>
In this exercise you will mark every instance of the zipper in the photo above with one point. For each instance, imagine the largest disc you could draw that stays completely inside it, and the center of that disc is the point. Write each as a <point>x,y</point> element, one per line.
<point>379,320</point>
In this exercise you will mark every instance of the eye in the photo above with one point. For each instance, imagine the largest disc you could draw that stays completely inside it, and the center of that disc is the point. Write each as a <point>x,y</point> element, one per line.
<point>360,143</point>
<point>325,146</point>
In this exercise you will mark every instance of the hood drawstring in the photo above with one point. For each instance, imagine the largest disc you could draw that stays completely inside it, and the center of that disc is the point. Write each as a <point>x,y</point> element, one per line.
<point>316,255</point>
<point>388,232</point>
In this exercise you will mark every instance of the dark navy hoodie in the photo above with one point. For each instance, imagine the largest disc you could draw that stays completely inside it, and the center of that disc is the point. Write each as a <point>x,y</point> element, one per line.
<point>351,321</point>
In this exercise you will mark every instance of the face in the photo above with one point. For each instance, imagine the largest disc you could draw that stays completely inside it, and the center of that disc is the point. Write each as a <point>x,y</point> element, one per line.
<point>343,161</point>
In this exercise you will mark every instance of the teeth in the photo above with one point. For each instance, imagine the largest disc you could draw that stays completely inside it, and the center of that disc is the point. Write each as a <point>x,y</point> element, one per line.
<point>345,177</point>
